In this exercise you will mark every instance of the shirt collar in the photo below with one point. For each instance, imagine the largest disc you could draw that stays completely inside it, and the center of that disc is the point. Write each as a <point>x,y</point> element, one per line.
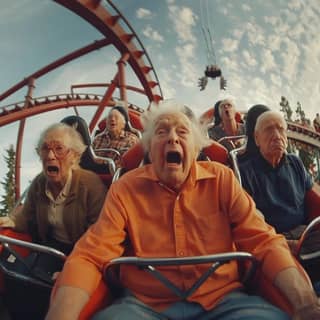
<point>197,172</point>
<point>266,166</point>
<point>65,190</point>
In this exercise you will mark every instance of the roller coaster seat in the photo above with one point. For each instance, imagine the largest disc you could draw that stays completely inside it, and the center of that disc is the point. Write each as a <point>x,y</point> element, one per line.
<point>88,159</point>
<point>136,155</point>
<point>22,251</point>
<point>134,123</point>
<point>26,275</point>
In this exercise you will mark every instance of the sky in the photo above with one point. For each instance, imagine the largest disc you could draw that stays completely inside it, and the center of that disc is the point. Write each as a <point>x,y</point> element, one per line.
<point>265,49</point>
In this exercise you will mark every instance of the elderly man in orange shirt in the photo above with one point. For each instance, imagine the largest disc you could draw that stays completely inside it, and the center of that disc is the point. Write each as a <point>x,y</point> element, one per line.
<point>177,207</point>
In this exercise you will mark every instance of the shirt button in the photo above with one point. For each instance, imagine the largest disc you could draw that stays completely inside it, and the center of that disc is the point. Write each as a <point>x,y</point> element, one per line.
<point>181,253</point>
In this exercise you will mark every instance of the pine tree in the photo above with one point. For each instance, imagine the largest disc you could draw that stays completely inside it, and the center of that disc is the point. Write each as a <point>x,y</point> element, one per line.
<point>8,199</point>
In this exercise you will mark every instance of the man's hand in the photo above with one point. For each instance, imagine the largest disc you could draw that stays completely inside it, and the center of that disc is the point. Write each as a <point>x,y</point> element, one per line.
<point>6,222</point>
<point>67,303</point>
<point>299,292</point>
<point>311,312</point>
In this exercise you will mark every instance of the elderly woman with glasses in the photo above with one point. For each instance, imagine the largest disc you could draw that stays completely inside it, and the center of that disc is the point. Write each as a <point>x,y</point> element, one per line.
<point>63,200</point>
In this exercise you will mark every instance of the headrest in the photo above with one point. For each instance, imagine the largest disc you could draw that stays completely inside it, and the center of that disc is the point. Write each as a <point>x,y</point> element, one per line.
<point>80,125</point>
<point>217,152</point>
<point>132,158</point>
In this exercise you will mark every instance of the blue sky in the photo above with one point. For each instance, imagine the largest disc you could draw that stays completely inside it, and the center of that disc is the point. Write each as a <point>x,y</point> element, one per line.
<point>265,49</point>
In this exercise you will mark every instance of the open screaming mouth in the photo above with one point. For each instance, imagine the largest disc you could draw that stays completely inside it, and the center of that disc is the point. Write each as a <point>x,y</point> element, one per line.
<point>52,169</point>
<point>173,157</point>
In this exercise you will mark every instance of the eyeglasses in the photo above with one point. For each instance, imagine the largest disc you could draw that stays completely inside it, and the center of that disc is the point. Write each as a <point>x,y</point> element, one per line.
<point>59,150</point>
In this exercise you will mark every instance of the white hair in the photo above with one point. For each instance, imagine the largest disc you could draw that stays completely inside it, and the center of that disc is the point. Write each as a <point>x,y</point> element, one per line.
<point>150,117</point>
<point>76,141</point>
<point>267,114</point>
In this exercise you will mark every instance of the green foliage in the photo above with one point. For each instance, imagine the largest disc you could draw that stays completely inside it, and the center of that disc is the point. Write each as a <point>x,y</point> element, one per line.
<point>308,156</point>
<point>8,199</point>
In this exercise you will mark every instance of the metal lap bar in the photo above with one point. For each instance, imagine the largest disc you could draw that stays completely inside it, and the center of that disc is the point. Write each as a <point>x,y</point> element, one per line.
<point>22,277</point>
<point>216,261</point>
<point>308,256</point>
<point>234,161</point>
<point>232,138</point>
<point>6,267</point>
<point>110,161</point>
<point>157,274</point>
<point>183,294</point>
<point>32,246</point>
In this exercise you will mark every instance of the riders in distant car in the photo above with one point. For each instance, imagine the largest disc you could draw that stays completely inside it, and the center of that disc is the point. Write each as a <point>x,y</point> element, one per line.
<point>117,135</point>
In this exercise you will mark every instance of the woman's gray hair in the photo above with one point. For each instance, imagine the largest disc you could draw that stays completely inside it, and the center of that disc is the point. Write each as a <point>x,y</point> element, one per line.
<point>76,141</point>
<point>150,117</point>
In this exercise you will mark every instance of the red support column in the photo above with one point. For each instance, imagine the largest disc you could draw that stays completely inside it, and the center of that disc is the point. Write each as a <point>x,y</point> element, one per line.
<point>19,142</point>
<point>122,78</point>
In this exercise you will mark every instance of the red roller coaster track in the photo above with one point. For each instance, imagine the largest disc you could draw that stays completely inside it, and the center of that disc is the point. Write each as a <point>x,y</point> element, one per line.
<point>117,32</point>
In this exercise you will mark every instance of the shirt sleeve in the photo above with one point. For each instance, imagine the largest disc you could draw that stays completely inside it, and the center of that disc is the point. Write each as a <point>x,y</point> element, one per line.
<point>102,242</point>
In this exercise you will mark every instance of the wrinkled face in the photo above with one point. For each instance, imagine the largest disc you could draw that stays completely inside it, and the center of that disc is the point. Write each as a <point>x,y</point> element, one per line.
<point>227,111</point>
<point>172,149</point>
<point>57,158</point>
<point>115,122</point>
<point>271,137</point>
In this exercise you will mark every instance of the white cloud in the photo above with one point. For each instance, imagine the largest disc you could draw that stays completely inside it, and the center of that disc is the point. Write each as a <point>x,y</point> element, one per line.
<point>255,34</point>
<point>273,42</point>
<point>295,4</point>
<point>168,83</point>
<point>188,72</point>
<point>283,27</point>
<point>297,31</point>
<point>224,11</point>
<point>246,7</point>
<point>238,33</point>
<point>153,34</point>
<point>275,79</point>
<point>230,45</point>
<point>231,63</point>
<point>143,13</point>
<point>267,61</point>
<point>249,58</point>
<point>290,57</point>
<point>184,20</point>
<point>272,20</point>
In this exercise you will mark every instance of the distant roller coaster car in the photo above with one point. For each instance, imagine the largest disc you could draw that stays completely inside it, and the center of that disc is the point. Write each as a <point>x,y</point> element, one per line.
<point>212,71</point>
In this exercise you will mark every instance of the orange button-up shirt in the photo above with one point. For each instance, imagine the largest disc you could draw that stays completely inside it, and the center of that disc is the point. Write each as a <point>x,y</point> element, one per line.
<point>211,214</point>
